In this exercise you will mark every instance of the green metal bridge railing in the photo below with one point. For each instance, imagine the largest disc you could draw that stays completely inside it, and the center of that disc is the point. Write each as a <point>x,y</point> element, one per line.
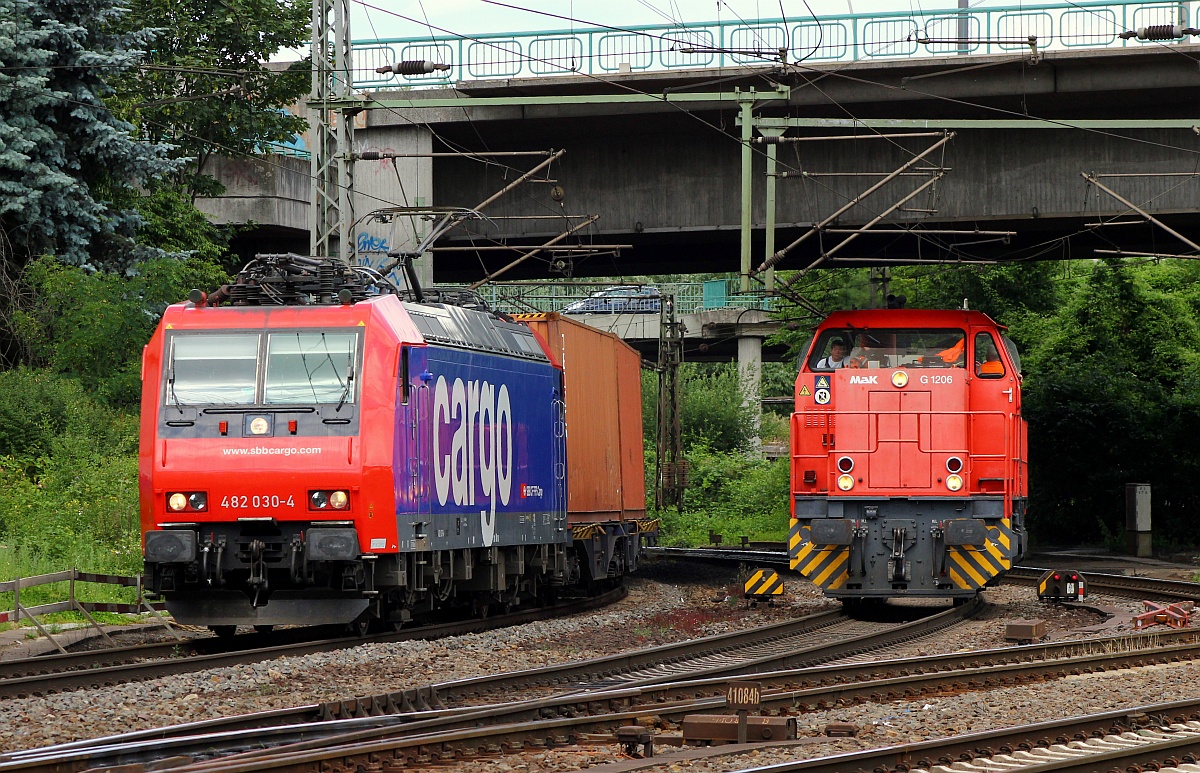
<point>899,34</point>
<point>690,297</point>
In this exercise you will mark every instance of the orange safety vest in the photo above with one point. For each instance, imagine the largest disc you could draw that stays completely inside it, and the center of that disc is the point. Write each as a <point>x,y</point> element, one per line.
<point>954,352</point>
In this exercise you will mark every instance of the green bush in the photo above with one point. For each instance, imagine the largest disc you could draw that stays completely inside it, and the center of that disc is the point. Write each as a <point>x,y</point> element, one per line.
<point>94,326</point>
<point>733,495</point>
<point>710,407</point>
<point>68,478</point>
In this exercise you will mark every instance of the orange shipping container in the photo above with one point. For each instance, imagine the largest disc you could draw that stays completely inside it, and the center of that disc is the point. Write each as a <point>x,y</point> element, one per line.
<point>603,398</point>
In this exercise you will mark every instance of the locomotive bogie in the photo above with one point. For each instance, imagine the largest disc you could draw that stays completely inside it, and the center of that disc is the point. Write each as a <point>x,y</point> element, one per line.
<point>391,588</point>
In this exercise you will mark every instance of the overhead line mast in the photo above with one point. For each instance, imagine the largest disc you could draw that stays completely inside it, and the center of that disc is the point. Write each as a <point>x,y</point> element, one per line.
<point>331,212</point>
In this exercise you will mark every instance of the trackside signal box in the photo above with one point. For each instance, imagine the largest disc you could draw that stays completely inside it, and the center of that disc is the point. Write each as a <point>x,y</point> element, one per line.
<point>1062,585</point>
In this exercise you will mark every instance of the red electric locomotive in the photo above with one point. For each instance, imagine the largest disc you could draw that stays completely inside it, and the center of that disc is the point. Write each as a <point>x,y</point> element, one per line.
<point>315,449</point>
<point>909,472</point>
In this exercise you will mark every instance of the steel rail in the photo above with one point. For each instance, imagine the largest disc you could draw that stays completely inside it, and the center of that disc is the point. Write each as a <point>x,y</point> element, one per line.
<point>625,663</point>
<point>1027,743</point>
<point>770,557</point>
<point>49,664</point>
<point>59,673</point>
<point>539,719</point>
<point>1119,584</point>
<point>607,699</point>
<point>464,741</point>
<point>431,698</point>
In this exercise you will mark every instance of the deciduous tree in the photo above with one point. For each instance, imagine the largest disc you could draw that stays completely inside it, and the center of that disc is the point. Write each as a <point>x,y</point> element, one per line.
<point>205,87</point>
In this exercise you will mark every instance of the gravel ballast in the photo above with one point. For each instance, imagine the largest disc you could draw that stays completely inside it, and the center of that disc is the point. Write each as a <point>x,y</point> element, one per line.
<point>667,603</point>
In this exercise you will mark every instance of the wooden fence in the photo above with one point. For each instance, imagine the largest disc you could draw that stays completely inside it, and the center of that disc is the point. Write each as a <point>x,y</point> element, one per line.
<point>73,604</point>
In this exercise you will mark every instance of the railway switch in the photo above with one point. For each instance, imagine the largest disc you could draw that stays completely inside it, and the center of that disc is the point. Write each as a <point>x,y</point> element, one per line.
<point>711,729</point>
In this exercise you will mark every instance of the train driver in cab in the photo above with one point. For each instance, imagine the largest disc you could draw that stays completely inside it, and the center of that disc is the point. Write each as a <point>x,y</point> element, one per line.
<point>837,358</point>
<point>865,353</point>
<point>956,355</point>
<point>987,359</point>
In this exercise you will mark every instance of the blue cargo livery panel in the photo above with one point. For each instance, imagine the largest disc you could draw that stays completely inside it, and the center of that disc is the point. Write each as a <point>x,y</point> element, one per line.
<point>473,441</point>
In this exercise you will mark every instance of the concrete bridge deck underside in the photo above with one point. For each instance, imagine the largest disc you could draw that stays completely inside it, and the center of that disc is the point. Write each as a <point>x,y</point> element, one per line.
<point>664,174</point>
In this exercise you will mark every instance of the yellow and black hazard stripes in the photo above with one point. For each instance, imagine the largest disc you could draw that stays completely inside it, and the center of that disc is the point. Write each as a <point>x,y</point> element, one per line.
<point>586,531</point>
<point>826,565</point>
<point>764,582</point>
<point>794,539</point>
<point>971,566</point>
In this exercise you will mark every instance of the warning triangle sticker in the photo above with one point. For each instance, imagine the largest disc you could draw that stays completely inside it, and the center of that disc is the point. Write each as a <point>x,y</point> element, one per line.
<point>822,382</point>
<point>804,391</point>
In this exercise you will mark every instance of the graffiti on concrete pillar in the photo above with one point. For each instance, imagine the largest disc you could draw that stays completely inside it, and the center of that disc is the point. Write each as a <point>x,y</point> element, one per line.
<point>370,243</point>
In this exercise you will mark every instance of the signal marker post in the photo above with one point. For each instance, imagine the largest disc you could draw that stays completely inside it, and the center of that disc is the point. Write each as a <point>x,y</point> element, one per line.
<point>764,585</point>
<point>743,696</point>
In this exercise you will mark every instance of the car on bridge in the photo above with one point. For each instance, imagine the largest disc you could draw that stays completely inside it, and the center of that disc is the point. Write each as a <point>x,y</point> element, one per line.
<point>626,299</point>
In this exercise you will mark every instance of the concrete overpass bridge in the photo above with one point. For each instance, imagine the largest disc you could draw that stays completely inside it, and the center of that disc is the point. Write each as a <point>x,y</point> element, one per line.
<point>1040,153</point>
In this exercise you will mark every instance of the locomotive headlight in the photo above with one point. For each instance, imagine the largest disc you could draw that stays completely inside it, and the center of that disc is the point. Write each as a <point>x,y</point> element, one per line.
<point>197,500</point>
<point>954,482</point>
<point>338,500</point>
<point>259,426</point>
<point>319,500</point>
<point>177,502</point>
<point>899,379</point>
<point>845,482</point>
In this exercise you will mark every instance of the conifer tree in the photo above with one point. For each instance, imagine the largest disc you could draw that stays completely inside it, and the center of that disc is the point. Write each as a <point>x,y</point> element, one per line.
<point>64,157</point>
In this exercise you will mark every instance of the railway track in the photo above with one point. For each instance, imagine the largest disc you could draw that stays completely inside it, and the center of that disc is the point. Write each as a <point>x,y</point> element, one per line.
<point>588,697</point>
<point>426,743</point>
<point>445,735</point>
<point>1115,584</point>
<point>1151,737</point>
<point>50,674</point>
<point>439,722</point>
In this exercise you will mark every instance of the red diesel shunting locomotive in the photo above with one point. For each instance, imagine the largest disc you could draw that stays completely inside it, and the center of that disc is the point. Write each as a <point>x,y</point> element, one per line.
<point>909,472</point>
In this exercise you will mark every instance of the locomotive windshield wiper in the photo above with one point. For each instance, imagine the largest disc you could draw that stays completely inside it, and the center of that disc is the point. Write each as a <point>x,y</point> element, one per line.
<point>349,374</point>
<point>171,387</point>
<point>345,391</point>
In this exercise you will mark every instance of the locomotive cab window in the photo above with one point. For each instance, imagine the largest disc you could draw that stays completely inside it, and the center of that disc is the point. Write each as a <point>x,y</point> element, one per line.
<point>310,367</point>
<point>212,369</point>
<point>987,357</point>
<point>1013,355</point>
<point>302,367</point>
<point>888,348</point>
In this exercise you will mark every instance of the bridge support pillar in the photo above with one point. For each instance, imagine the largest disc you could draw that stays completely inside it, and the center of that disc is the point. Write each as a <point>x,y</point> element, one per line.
<point>390,183</point>
<point>750,377</point>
